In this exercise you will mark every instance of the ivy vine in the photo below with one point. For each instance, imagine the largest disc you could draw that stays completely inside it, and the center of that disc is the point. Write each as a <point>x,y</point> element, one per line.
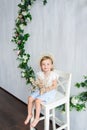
<point>79,101</point>
<point>20,38</point>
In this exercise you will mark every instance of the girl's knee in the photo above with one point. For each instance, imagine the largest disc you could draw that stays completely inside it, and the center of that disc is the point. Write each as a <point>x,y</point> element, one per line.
<point>38,100</point>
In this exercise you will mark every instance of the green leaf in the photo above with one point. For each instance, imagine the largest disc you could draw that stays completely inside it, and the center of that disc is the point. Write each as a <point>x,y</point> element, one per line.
<point>85,83</point>
<point>85,77</point>
<point>82,84</point>
<point>80,107</point>
<point>21,6</point>
<point>83,96</point>
<point>26,36</point>
<point>77,85</point>
<point>44,2</point>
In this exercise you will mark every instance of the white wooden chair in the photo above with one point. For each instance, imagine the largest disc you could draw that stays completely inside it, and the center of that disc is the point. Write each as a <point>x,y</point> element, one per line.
<point>62,97</point>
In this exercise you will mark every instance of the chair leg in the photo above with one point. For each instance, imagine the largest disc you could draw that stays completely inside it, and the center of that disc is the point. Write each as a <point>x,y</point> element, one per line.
<point>67,116</point>
<point>46,121</point>
<point>53,119</point>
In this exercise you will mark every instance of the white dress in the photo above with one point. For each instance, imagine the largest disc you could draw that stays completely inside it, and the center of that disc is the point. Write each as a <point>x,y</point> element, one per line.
<point>48,96</point>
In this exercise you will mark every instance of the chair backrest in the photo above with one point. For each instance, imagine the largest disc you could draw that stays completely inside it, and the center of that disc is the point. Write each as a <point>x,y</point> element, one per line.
<point>64,82</point>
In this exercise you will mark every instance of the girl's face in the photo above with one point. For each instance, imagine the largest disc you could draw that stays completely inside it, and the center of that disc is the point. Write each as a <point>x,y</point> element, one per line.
<point>46,65</point>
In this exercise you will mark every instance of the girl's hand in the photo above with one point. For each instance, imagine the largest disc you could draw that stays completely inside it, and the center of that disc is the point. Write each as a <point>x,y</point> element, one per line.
<point>39,83</point>
<point>42,90</point>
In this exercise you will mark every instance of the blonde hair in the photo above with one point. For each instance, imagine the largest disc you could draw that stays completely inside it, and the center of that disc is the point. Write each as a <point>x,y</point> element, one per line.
<point>46,58</point>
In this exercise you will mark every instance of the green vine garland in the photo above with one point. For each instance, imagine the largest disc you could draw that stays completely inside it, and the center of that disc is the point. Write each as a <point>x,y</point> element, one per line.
<point>20,38</point>
<point>79,101</point>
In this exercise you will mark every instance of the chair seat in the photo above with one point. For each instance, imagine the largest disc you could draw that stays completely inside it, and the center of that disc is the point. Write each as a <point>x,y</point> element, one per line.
<point>58,100</point>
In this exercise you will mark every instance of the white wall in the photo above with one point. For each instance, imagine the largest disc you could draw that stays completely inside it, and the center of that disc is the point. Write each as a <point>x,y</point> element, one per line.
<point>59,28</point>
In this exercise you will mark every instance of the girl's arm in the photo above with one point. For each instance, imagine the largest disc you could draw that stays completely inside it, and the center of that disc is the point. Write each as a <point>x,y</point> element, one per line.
<point>46,89</point>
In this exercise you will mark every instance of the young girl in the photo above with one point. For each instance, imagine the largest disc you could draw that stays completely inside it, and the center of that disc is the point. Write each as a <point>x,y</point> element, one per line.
<point>46,83</point>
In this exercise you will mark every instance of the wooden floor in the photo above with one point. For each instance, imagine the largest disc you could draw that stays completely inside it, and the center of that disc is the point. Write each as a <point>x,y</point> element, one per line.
<point>13,113</point>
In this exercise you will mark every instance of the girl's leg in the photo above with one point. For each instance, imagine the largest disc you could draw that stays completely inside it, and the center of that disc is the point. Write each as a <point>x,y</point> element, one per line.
<point>30,105</point>
<point>38,109</point>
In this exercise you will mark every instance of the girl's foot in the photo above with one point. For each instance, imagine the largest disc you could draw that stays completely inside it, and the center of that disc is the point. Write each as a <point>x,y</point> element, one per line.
<point>27,119</point>
<point>34,123</point>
